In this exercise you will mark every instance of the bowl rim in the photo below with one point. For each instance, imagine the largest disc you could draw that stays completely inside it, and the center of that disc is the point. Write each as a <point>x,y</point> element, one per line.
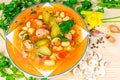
<point>69,69</point>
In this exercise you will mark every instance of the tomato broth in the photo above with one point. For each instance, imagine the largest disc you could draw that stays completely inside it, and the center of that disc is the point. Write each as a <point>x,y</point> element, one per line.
<point>47,38</point>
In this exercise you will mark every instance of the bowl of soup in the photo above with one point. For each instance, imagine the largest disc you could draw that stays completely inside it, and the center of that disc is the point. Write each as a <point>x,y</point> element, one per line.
<point>46,40</point>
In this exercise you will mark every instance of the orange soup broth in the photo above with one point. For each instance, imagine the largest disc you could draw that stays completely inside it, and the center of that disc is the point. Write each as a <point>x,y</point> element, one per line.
<point>28,65</point>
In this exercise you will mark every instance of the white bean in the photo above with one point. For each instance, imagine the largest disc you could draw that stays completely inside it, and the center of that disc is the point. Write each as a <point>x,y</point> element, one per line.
<point>97,56</point>
<point>66,18</point>
<point>83,65</point>
<point>65,44</point>
<point>62,14</point>
<point>49,62</point>
<point>59,48</point>
<point>89,54</point>
<point>31,31</point>
<point>59,19</point>
<point>93,63</point>
<point>89,70</point>
<point>28,24</point>
<point>100,72</point>
<point>90,77</point>
<point>77,72</point>
<point>24,28</point>
<point>103,63</point>
<point>56,41</point>
<point>68,48</point>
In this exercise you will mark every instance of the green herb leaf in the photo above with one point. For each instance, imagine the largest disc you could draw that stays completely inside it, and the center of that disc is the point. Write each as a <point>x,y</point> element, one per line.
<point>66,26</point>
<point>2,6</point>
<point>10,77</point>
<point>14,69</point>
<point>67,3</point>
<point>44,0</point>
<point>44,79</point>
<point>73,1</point>
<point>109,3</point>
<point>63,38</point>
<point>101,10</point>
<point>86,4</point>
<point>31,78</point>
<point>26,36</point>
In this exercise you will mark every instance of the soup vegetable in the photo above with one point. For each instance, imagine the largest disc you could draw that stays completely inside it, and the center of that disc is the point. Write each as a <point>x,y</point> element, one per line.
<point>48,37</point>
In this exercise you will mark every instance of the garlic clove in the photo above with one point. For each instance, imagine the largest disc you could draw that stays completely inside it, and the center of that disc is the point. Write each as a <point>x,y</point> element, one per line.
<point>97,33</point>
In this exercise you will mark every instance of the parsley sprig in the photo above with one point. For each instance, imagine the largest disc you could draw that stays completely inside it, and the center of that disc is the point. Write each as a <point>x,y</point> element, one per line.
<point>9,71</point>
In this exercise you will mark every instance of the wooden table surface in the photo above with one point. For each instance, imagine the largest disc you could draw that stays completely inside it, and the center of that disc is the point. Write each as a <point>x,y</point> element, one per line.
<point>110,51</point>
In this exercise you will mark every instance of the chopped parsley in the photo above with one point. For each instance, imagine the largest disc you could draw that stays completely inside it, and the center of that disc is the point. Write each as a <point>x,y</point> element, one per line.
<point>66,26</point>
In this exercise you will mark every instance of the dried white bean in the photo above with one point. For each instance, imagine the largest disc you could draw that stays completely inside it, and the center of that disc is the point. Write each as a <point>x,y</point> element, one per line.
<point>103,63</point>
<point>100,72</point>
<point>97,56</point>
<point>90,77</point>
<point>77,72</point>
<point>90,53</point>
<point>93,63</point>
<point>83,65</point>
<point>89,70</point>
